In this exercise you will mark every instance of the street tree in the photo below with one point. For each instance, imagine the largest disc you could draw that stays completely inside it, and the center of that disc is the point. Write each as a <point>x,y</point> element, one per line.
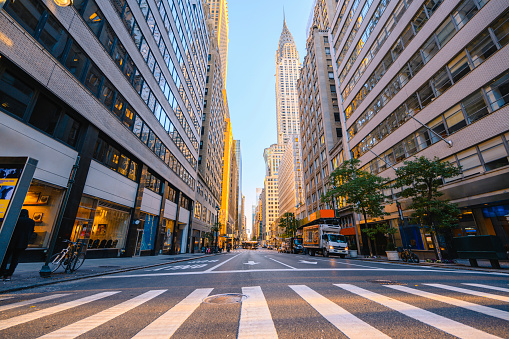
<point>362,190</point>
<point>380,228</point>
<point>289,224</point>
<point>215,232</point>
<point>420,180</point>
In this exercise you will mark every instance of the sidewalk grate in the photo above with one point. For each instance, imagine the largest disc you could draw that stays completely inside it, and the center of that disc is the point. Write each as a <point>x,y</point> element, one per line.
<point>227,298</point>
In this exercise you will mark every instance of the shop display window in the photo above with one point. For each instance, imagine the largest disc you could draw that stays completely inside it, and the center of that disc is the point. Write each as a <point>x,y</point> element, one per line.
<point>168,226</point>
<point>110,227</point>
<point>42,202</point>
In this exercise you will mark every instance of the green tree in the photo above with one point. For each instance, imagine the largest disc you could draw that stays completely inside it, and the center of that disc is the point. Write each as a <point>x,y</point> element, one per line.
<point>253,238</point>
<point>380,228</point>
<point>289,224</point>
<point>362,190</point>
<point>420,180</point>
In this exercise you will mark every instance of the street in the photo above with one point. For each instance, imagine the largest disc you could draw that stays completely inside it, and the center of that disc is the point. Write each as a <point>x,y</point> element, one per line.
<point>284,295</point>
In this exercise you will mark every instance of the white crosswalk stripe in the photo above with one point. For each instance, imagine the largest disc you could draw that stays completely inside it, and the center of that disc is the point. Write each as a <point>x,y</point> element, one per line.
<point>169,322</point>
<point>5,298</point>
<point>87,324</point>
<point>21,319</point>
<point>255,318</point>
<point>471,292</point>
<point>344,321</point>
<point>31,301</point>
<point>456,302</point>
<point>495,288</point>
<point>447,325</point>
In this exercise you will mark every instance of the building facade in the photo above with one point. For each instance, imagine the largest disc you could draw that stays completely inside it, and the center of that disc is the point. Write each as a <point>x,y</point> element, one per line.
<point>291,181</point>
<point>429,78</point>
<point>219,14</point>
<point>115,90</point>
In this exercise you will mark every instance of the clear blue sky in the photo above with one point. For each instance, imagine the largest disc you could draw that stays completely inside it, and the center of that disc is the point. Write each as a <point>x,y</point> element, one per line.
<point>255,27</point>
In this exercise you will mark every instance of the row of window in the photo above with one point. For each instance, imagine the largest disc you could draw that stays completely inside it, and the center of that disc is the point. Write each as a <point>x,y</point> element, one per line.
<point>456,69</point>
<point>202,213</point>
<point>475,106</point>
<point>429,49</point>
<point>360,19</point>
<point>415,25</point>
<point>112,158</point>
<point>347,22</point>
<point>24,100</point>
<point>144,89</point>
<point>84,69</point>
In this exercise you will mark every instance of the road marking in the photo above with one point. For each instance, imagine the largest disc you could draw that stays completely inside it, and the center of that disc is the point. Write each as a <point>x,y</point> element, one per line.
<point>452,301</point>
<point>279,262</point>
<point>31,301</point>
<point>255,318</point>
<point>5,298</point>
<point>471,292</point>
<point>21,319</point>
<point>78,328</point>
<point>178,267</point>
<point>308,262</point>
<point>250,262</point>
<point>490,287</point>
<point>166,325</point>
<point>224,262</point>
<point>345,263</point>
<point>344,321</point>
<point>447,325</point>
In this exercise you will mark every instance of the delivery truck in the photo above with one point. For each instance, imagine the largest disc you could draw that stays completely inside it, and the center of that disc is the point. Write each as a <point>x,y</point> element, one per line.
<point>324,239</point>
<point>293,245</point>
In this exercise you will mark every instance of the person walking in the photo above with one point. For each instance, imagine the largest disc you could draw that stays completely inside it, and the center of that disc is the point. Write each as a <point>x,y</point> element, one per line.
<point>19,242</point>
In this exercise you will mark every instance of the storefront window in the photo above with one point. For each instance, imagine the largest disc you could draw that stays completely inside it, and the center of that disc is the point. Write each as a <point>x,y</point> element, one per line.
<point>168,226</point>
<point>149,231</point>
<point>42,202</point>
<point>110,226</point>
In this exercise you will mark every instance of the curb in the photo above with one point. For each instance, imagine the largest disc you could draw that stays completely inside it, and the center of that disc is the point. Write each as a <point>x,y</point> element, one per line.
<point>453,266</point>
<point>20,288</point>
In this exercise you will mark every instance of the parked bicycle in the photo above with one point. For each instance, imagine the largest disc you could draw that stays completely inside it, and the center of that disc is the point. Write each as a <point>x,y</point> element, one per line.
<point>71,257</point>
<point>406,254</point>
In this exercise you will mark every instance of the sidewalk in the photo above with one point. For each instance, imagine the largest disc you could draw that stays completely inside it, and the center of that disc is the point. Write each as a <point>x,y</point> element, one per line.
<point>484,265</point>
<point>27,274</point>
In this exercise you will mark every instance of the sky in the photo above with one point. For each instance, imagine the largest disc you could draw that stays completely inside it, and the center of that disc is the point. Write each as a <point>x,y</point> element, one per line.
<point>254,30</point>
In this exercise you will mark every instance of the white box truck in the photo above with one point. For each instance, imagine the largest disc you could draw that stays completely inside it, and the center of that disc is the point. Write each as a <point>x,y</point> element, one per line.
<point>324,239</point>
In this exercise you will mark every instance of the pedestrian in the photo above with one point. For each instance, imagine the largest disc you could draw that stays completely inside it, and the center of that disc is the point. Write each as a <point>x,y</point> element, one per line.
<point>19,242</point>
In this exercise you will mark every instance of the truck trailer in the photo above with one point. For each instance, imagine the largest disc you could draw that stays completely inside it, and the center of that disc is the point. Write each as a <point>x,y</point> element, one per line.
<point>324,239</point>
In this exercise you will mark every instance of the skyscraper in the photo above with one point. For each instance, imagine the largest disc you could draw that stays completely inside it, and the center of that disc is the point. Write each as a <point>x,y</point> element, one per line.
<point>287,73</point>
<point>219,13</point>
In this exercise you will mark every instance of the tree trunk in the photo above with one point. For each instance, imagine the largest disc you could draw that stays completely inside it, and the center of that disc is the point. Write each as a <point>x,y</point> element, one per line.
<point>369,239</point>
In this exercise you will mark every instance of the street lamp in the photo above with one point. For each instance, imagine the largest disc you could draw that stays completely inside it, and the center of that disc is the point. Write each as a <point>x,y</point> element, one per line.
<point>63,3</point>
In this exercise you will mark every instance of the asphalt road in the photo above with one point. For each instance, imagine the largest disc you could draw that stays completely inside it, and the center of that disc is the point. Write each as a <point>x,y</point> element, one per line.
<point>284,295</point>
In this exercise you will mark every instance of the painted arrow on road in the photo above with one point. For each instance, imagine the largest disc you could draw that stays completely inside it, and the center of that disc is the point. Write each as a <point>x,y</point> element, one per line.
<point>307,262</point>
<point>250,262</point>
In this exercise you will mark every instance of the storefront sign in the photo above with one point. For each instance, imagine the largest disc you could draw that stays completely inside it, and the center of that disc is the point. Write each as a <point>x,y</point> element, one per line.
<point>9,176</point>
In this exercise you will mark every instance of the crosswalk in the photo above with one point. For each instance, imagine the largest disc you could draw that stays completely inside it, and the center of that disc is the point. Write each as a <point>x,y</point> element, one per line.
<point>256,319</point>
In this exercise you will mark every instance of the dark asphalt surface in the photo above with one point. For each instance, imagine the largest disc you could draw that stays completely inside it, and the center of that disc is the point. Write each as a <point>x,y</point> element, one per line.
<point>274,273</point>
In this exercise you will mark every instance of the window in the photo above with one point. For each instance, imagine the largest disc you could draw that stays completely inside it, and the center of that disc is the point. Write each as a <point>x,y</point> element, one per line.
<point>15,94</point>
<point>93,79</point>
<point>53,37</point>
<point>45,115</point>
<point>27,12</point>
<point>76,61</point>
<point>501,30</point>
<point>441,81</point>
<point>481,48</point>
<point>445,32</point>
<point>475,107</point>
<point>454,119</point>
<point>498,92</point>
<point>429,49</point>
<point>459,66</point>
<point>93,17</point>
<point>469,162</point>
<point>494,154</point>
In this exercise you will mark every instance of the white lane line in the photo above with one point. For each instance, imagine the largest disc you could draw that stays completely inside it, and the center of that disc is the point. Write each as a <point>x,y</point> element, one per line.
<point>255,318</point>
<point>31,301</point>
<point>21,319</point>
<point>166,325</point>
<point>5,298</point>
<point>343,320</point>
<point>78,328</point>
<point>455,302</point>
<point>496,288</point>
<point>345,263</point>
<point>279,262</point>
<point>447,325</point>
<point>224,262</point>
<point>147,275</point>
<point>471,292</point>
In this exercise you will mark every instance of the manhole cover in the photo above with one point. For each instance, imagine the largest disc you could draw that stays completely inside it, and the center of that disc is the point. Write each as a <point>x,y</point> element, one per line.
<point>385,282</point>
<point>228,298</point>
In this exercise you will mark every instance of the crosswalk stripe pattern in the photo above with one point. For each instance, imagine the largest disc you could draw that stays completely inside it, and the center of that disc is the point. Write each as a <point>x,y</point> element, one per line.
<point>476,293</point>
<point>344,321</point>
<point>5,298</point>
<point>449,326</point>
<point>495,288</point>
<point>21,319</point>
<point>255,317</point>
<point>30,302</point>
<point>76,329</point>
<point>456,302</point>
<point>166,325</point>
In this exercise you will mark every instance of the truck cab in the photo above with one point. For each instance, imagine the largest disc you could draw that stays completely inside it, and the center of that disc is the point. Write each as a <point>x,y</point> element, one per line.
<point>334,244</point>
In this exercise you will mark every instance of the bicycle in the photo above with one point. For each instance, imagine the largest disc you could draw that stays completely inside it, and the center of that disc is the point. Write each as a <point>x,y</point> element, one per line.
<point>72,257</point>
<point>407,255</point>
